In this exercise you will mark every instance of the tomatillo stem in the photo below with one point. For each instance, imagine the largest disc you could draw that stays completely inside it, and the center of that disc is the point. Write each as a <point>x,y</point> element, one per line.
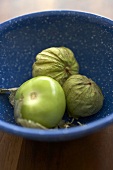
<point>4,91</point>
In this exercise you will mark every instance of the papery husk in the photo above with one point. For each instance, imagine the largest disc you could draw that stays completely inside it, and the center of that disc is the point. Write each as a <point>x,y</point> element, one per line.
<point>56,62</point>
<point>83,96</point>
<point>11,92</point>
<point>30,124</point>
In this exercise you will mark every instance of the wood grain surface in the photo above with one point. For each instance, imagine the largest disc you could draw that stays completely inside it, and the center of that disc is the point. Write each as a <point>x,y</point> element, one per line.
<point>93,152</point>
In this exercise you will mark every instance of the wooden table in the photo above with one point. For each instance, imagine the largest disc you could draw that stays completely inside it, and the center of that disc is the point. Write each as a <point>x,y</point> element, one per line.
<point>94,152</point>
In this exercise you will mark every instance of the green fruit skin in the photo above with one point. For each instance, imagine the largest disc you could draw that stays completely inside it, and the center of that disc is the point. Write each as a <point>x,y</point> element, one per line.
<point>83,96</point>
<point>42,100</point>
<point>56,62</point>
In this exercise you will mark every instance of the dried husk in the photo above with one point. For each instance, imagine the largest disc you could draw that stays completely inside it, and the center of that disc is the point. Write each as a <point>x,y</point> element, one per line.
<point>11,91</point>
<point>83,96</point>
<point>29,124</point>
<point>56,62</point>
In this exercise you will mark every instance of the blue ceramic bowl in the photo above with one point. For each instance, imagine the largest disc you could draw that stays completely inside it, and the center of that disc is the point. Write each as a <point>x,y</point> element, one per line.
<point>89,36</point>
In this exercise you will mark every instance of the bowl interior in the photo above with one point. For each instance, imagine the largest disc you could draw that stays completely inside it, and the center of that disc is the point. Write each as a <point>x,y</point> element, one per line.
<point>90,37</point>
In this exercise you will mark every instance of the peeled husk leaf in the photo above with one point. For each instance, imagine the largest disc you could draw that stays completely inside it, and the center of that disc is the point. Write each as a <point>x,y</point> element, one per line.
<point>29,123</point>
<point>56,62</point>
<point>24,122</point>
<point>83,96</point>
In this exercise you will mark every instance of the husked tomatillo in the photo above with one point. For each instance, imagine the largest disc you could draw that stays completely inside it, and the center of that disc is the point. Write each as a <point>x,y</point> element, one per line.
<point>39,103</point>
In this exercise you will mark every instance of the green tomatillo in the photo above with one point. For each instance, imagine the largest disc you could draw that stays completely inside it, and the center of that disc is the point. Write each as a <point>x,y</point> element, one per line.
<point>39,103</point>
<point>83,96</point>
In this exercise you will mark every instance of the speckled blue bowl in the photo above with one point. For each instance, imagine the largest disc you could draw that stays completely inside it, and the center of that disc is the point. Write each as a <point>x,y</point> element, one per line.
<point>91,39</point>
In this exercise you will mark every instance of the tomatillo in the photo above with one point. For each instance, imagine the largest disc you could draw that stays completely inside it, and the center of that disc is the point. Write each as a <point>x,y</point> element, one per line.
<point>39,103</point>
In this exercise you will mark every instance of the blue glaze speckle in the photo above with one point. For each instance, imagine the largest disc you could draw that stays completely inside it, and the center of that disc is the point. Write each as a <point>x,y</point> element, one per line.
<point>90,37</point>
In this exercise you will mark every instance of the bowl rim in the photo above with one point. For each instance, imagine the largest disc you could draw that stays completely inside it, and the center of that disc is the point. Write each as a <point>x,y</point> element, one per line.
<point>59,12</point>
<point>58,134</point>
